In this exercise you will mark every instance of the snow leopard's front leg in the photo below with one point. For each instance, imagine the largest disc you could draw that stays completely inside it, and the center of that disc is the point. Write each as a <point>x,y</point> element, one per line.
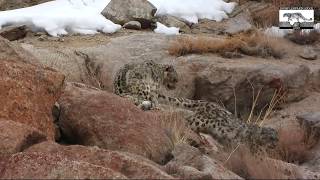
<point>138,101</point>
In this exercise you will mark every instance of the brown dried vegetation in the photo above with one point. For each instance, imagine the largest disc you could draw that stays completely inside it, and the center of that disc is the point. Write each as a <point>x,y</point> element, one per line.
<point>301,38</point>
<point>294,145</point>
<point>255,44</point>
<point>247,166</point>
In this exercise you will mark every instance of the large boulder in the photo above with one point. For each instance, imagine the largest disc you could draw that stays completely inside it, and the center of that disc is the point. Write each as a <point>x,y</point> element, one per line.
<point>28,90</point>
<point>238,81</point>
<point>37,165</point>
<point>97,118</point>
<point>16,4</point>
<point>14,52</point>
<point>131,165</point>
<point>74,65</point>
<point>311,123</point>
<point>240,23</point>
<point>124,11</point>
<point>189,162</point>
<point>15,137</point>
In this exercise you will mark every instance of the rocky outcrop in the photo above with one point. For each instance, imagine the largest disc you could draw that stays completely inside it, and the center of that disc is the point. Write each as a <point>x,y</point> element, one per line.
<point>123,11</point>
<point>240,23</point>
<point>189,162</point>
<point>172,21</point>
<point>227,81</point>
<point>311,123</point>
<point>207,77</point>
<point>28,90</point>
<point>93,117</point>
<point>131,165</point>
<point>53,166</point>
<point>103,61</point>
<point>14,52</point>
<point>15,137</point>
<point>308,54</point>
<point>15,4</point>
<point>13,33</point>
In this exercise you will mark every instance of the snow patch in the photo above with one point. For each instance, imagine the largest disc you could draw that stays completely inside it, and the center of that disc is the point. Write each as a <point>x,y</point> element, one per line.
<point>162,29</point>
<point>193,10</point>
<point>61,17</point>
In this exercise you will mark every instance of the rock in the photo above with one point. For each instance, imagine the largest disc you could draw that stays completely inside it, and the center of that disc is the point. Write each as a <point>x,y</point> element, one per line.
<point>136,25</point>
<point>123,11</point>
<point>53,166</point>
<point>239,23</point>
<point>172,21</point>
<point>68,61</point>
<point>223,81</point>
<point>206,26</point>
<point>15,137</point>
<point>311,123</point>
<point>312,165</point>
<point>130,165</point>
<point>13,33</point>
<point>104,61</point>
<point>3,161</point>
<point>97,118</point>
<point>15,4</point>
<point>14,52</point>
<point>308,54</point>
<point>191,162</point>
<point>28,90</point>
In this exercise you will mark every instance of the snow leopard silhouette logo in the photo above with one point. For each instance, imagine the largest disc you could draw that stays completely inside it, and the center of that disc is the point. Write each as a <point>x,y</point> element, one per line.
<point>295,17</point>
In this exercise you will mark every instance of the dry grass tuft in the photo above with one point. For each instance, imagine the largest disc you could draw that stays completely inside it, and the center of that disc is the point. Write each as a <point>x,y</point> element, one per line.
<point>277,99</point>
<point>301,38</point>
<point>175,127</point>
<point>255,44</point>
<point>249,167</point>
<point>294,145</point>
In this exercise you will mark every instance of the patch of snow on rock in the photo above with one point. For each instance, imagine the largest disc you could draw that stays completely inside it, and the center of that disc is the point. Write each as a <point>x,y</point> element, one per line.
<point>162,29</point>
<point>193,10</point>
<point>60,17</point>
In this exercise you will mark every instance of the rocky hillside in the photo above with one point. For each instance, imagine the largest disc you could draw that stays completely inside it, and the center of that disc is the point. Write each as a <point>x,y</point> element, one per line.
<point>60,119</point>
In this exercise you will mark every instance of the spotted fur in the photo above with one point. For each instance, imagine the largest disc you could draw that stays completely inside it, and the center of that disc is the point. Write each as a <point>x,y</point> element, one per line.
<point>141,81</point>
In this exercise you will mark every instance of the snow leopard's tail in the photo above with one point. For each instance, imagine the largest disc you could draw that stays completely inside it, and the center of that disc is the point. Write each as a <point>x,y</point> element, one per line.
<point>179,102</point>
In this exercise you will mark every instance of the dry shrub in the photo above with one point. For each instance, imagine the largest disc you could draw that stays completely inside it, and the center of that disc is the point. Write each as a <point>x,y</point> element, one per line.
<point>278,98</point>
<point>198,45</point>
<point>255,44</point>
<point>294,145</point>
<point>175,127</point>
<point>247,166</point>
<point>299,37</point>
